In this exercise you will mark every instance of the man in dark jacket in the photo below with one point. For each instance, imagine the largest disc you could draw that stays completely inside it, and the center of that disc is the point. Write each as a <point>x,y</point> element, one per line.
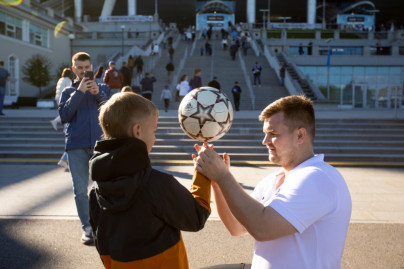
<point>147,85</point>
<point>170,69</point>
<point>196,81</point>
<point>127,75</point>
<point>78,107</point>
<point>236,91</point>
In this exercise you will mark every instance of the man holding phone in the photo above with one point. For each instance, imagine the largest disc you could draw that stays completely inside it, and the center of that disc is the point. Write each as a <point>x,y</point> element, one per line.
<point>79,106</point>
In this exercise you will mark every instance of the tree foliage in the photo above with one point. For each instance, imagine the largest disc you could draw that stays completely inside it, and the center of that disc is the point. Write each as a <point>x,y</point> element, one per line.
<point>36,71</point>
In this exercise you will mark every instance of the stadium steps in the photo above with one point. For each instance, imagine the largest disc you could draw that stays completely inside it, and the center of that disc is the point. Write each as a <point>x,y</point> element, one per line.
<point>349,140</point>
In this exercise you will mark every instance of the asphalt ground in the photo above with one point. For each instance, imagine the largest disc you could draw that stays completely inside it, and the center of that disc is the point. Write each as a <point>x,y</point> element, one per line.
<point>39,227</point>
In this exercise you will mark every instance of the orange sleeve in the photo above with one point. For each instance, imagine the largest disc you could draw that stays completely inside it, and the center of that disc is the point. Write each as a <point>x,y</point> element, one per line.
<point>200,189</point>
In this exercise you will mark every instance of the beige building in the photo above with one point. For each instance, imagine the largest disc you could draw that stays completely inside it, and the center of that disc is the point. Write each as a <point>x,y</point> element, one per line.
<point>29,29</point>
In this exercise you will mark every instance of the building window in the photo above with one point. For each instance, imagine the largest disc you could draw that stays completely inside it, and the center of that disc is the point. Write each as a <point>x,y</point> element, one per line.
<point>10,26</point>
<point>38,35</point>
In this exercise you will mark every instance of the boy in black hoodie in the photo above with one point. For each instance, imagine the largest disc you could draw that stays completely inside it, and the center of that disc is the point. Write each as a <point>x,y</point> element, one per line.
<point>137,212</point>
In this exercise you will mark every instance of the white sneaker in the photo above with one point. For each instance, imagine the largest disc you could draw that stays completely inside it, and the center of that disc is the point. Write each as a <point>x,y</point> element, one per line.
<point>54,125</point>
<point>64,164</point>
<point>87,236</point>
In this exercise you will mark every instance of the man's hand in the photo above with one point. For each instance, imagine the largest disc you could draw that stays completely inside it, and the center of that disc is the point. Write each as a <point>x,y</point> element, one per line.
<point>210,164</point>
<point>88,85</point>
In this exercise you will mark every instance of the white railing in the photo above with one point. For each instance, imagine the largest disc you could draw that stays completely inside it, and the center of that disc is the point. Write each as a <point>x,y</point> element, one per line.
<point>247,80</point>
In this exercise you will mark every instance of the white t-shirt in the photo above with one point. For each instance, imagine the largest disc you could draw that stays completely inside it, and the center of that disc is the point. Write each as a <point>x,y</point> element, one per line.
<point>315,199</point>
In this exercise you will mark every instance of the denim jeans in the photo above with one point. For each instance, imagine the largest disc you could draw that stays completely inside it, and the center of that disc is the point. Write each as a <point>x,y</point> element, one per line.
<point>2,94</point>
<point>78,165</point>
<point>257,78</point>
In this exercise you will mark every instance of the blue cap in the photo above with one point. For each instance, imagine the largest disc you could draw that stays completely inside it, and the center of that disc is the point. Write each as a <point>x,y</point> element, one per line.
<point>166,86</point>
<point>111,62</point>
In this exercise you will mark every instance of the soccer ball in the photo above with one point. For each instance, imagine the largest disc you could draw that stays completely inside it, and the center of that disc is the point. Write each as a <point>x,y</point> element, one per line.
<point>205,114</point>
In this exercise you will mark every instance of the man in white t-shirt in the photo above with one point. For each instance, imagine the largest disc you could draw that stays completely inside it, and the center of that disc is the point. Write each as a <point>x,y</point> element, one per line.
<point>298,216</point>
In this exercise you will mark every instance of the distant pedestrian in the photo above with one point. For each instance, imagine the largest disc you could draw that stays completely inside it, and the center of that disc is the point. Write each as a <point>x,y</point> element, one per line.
<point>282,73</point>
<point>156,49</point>
<point>171,53</point>
<point>208,49</point>
<point>214,83</point>
<point>127,75</point>
<point>113,78</point>
<point>224,43</point>
<point>147,86</point>
<point>236,91</point>
<point>99,74</point>
<point>170,69</point>
<point>256,70</point>
<point>301,51</point>
<point>196,80</point>
<point>201,51</point>
<point>233,51</point>
<point>245,48</point>
<point>166,96</point>
<point>182,87</point>
<point>310,48</point>
<point>4,77</point>
<point>131,64</point>
<point>139,64</point>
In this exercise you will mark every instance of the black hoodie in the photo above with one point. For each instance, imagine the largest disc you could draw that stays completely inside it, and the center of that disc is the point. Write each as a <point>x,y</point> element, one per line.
<point>137,212</point>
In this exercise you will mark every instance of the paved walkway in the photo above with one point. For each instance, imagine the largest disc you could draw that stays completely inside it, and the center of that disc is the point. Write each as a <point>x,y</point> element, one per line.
<point>39,227</point>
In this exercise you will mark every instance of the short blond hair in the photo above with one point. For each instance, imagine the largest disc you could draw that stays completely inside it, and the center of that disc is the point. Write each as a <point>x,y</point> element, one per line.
<point>122,111</point>
<point>298,111</point>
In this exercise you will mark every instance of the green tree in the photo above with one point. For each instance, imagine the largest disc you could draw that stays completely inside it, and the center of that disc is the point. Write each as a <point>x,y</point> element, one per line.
<point>36,71</point>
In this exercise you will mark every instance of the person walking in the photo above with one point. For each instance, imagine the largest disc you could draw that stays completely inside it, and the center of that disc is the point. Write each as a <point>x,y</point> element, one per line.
<point>233,51</point>
<point>166,97</point>
<point>147,85</point>
<point>214,83</point>
<point>171,52</point>
<point>236,91</point>
<point>131,64</point>
<point>299,215</point>
<point>4,77</point>
<point>310,48</point>
<point>139,64</point>
<point>282,73</point>
<point>182,87</point>
<point>99,74</point>
<point>170,69</point>
<point>79,107</point>
<point>301,51</point>
<point>113,78</point>
<point>196,81</point>
<point>256,70</point>
<point>127,75</point>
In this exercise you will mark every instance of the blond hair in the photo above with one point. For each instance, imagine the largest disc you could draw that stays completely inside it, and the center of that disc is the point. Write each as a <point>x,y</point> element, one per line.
<point>122,111</point>
<point>298,111</point>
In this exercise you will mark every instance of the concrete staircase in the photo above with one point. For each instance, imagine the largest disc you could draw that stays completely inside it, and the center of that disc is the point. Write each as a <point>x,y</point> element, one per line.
<point>347,141</point>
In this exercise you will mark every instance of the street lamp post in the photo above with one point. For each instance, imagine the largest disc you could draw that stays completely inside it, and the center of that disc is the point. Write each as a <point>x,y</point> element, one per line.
<point>284,30</point>
<point>123,32</point>
<point>263,16</point>
<point>71,37</point>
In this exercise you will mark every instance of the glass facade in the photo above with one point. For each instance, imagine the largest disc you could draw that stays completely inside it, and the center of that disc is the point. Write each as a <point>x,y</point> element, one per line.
<point>359,86</point>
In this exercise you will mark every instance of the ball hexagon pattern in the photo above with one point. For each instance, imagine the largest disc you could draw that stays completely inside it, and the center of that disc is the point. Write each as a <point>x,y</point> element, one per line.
<point>205,114</point>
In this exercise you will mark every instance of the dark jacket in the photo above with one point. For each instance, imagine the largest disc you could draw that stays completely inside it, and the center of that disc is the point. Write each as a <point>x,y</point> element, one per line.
<point>137,212</point>
<point>81,112</point>
<point>147,84</point>
<point>215,84</point>
<point>195,82</point>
